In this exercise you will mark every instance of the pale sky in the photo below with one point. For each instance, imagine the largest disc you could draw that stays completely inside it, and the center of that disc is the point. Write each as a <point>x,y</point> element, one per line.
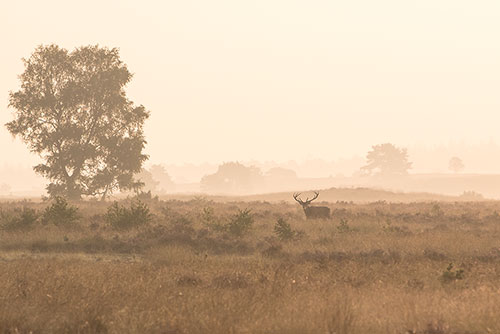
<point>280,80</point>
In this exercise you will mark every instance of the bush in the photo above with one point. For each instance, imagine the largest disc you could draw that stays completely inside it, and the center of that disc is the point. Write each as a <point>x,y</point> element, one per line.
<point>122,218</point>
<point>22,219</point>
<point>146,196</point>
<point>344,226</point>
<point>394,229</point>
<point>209,219</point>
<point>450,275</point>
<point>60,213</point>
<point>240,223</point>
<point>285,232</point>
<point>207,215</point>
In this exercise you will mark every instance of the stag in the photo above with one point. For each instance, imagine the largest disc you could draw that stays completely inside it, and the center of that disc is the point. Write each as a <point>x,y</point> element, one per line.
<point>313,212</point>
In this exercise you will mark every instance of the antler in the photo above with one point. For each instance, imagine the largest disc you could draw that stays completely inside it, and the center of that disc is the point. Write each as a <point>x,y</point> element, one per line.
<point>295,196</point>
<point>307,201</point>
<point>316,194</point>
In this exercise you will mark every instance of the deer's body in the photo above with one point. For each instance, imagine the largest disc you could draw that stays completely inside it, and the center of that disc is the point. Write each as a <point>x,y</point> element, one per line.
<point>317,212</point>
<point>313,212</point>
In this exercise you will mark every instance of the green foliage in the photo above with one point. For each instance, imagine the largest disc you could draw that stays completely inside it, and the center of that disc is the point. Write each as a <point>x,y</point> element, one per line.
<point>20,219</point>
<point>60,213</point>
<point>72,111</point>
<point>284,231</point>
<point>123,218</point>
<point>240,223</point>
<point>450,275</point>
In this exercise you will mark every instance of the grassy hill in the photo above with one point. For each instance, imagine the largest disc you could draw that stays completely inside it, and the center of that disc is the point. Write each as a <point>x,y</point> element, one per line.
<point>356,195</point>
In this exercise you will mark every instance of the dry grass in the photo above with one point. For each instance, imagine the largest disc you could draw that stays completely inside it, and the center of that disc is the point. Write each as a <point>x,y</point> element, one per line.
<point>383,271</point>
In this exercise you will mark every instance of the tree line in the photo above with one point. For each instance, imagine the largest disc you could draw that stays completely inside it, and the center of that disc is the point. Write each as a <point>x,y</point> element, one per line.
<point>72,111</point>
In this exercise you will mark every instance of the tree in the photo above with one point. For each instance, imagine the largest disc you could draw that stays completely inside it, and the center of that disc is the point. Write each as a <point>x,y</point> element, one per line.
<point>387,160</point>
<point>232,177</point>
<point>149,181</point>
<point>73,112</point>
<point>160,174</point>
<point>456,164</point>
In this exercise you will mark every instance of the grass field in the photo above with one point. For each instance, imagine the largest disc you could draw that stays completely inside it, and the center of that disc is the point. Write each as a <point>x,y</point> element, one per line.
<point>199,266</point>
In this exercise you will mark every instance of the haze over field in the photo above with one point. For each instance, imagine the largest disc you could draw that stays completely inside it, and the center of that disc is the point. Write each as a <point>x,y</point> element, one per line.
<point>264,81</point>
<point>250,166</point>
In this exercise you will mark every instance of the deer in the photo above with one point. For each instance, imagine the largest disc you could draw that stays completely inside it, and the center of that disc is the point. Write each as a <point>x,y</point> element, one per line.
<point>313,212</point>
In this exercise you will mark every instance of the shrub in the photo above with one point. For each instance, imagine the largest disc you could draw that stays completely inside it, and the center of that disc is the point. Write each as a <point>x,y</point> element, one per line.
<point>450,275</point>
<point>181,229</point>
<point>146,196</point>
<point>122,218</point>
<point>240,223</point>
<point>436,211</point>
<point>284,231</point>
<point>394,229</point>
<point>22,219</point>
<point>344,226</point>
<point>207,215</point>
<point>60,213</point>
<point>209,219</point>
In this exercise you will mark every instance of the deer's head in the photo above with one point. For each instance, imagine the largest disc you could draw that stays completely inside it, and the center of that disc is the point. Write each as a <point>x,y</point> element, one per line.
<point>305,204</point>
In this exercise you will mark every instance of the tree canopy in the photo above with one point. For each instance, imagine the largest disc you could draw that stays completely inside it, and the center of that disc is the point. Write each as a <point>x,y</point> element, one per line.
<point>387,160</point>
<point>73,112</point>
<point>232,177</point>
<point>456,164</point>
<point>160,174</point>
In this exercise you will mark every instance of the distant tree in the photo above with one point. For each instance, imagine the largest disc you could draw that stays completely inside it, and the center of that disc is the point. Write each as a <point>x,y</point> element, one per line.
<point>160,174</point>
<point>73,112</point>
<point>387,160</point>
<point>456,164</point>
<point>149,182</point>
<point>232,177</point>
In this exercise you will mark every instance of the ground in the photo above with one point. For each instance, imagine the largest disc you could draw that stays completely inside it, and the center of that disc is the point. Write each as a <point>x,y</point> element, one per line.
<point>199,266</point>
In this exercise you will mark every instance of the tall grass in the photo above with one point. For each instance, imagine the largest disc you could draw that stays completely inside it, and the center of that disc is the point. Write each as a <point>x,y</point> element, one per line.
<point>373,268</point>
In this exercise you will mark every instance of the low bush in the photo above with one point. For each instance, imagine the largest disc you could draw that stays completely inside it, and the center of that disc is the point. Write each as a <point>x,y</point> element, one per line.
<point>344,226</point>
<point>60,213</point>
<point>284,231</point>
<point>240,223</point>
<point>19,219</point>
<point>123,218</point>
<point>211,221</point>
<point>450,275</point>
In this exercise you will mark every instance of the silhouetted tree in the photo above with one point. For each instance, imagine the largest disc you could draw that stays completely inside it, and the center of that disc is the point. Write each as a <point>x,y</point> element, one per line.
<point>160,174</point>
<point>72,110</point>
<point>456,164</point>
<point>232,177</point>
<point>387,160</point>
<point>147,178</point>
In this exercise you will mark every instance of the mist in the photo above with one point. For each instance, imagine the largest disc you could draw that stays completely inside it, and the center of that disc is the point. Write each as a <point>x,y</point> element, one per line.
<point>264,166</point>
<point>280,81</point>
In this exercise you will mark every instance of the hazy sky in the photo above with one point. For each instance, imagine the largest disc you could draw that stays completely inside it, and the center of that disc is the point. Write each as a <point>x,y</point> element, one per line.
<point>279,80</point>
